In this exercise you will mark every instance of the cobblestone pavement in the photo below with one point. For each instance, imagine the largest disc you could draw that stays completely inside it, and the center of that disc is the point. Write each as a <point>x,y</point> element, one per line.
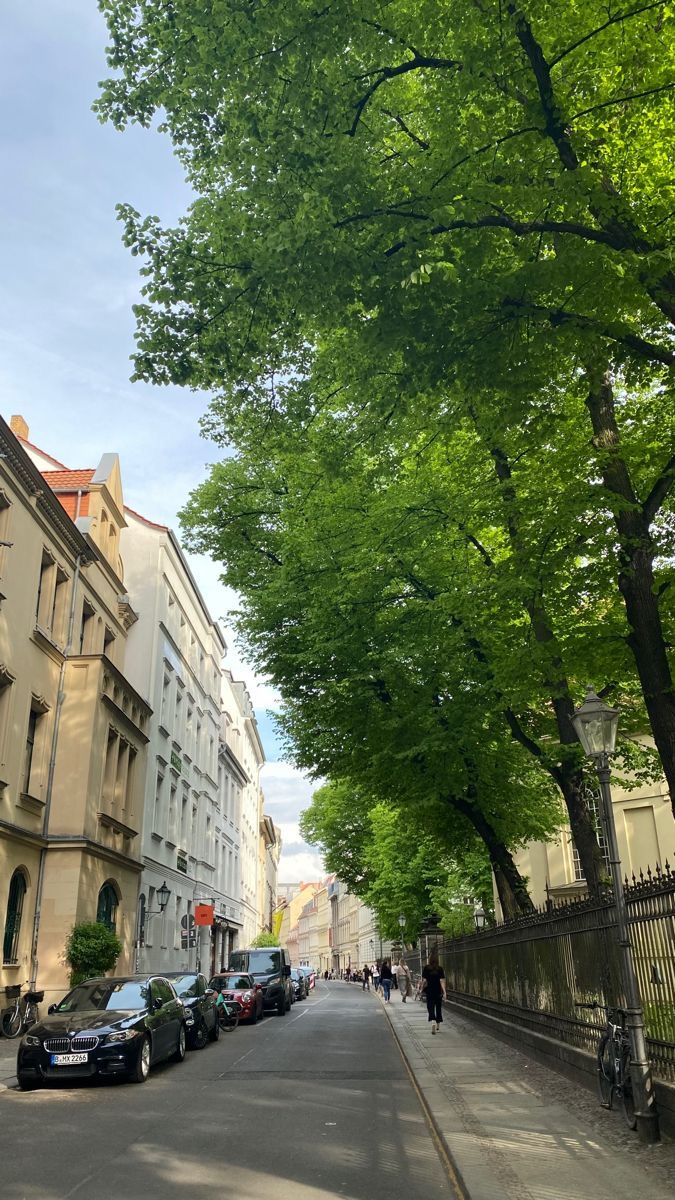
<point>516,1130</point>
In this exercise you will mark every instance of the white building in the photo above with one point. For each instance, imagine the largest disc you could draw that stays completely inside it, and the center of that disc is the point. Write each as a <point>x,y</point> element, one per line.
<point>244,745</point>
<point>200,770</point>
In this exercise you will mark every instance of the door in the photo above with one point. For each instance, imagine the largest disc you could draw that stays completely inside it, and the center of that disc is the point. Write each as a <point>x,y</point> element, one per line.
<point>163,1018</point>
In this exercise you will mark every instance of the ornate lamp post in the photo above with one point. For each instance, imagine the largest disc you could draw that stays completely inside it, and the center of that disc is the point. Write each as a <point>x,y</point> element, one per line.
<point>596,726</point>
<point>162,897</point>
<point>480,917</point>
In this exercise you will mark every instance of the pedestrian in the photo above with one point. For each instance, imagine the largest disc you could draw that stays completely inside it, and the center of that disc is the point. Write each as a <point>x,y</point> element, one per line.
<point>404,979</point>
<point>366,978</point>
<point>433,977</point>
<point>385,980</point>
<point>375,972</point>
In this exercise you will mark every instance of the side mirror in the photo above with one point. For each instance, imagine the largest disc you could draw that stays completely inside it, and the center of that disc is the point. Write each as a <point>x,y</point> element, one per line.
<point>287,972</point>
<point>52,1008</point>
<point>157,1002</point>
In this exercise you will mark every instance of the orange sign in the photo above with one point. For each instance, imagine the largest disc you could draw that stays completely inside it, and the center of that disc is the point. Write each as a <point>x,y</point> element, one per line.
<point>204,914</point>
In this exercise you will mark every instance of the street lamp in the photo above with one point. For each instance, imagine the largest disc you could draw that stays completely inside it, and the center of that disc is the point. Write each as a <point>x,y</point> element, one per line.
<point>162,896</point>
<point>596,725</point>
<point>480,917</point>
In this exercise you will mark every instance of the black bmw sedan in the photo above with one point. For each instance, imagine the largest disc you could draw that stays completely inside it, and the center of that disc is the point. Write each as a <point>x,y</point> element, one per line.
<point>105,1027</point>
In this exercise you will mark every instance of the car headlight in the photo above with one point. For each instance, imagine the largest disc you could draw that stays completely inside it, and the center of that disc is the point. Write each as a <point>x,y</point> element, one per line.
<point>123,1035</point>
<point>29,1040</point>
<point>247,996</point>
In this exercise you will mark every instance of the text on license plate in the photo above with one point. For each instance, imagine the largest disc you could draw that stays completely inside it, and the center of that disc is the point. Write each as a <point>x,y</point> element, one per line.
<point>68,1060</point>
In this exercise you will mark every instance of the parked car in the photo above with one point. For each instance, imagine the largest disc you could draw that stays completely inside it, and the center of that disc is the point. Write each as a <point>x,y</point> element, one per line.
<point>199,1001</point>
<point>119,1026</point>
<point>310,973</point>
<point>300,983</point>
<point>271,968</point>
<point>242,988</point>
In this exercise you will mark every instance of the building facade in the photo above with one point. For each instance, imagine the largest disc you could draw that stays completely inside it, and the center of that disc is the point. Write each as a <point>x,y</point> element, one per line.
<point>191,840</point>
<point>73,729</point>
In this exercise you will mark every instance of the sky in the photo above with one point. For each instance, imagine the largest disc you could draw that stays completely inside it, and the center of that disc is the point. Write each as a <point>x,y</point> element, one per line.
<point>66,324</point>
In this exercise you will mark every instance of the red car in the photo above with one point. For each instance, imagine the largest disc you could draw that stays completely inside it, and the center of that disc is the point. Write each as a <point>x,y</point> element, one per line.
<point>242,988</point>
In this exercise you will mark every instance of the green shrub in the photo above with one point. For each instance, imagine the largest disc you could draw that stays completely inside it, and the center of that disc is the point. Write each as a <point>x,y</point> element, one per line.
<point>265,939</point>
<point>91,949</point>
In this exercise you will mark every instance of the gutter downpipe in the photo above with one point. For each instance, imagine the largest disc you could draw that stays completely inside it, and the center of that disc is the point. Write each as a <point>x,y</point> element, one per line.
<point>60,697</point>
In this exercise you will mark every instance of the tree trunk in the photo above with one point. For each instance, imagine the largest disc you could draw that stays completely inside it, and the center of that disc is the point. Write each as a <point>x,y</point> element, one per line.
<point>515,898</point>
<point>637,585</point>
<point>569,776</point>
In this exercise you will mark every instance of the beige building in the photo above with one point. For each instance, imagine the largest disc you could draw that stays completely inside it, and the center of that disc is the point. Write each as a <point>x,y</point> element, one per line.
<point>269,851</point>
<point>72,729</point>
<point>645,833</point>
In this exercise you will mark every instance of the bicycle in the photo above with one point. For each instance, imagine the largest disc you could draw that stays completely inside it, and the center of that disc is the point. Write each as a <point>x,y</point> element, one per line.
<point>228,1017</point>
<point>614,1059</point>
<point>23,1014</point>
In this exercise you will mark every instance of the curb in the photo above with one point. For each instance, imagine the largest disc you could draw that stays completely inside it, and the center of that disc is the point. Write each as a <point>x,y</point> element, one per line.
<point>445,1153</point>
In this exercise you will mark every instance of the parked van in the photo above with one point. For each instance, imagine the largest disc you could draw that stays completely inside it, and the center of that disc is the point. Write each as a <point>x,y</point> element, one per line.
<point>270,966</point>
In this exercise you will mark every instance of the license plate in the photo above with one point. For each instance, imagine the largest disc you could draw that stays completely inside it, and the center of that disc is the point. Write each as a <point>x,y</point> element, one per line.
<point>68,1060</point>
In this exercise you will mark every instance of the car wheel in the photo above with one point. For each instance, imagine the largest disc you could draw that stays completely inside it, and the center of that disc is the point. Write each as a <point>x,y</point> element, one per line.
<point>179,1053</point>
<point>215,1032</point>
<point>141,1070</point>
<point>200,1035</point>
<point>28,1083</point>
<point>281,1007</point>
<point>254,1017</point>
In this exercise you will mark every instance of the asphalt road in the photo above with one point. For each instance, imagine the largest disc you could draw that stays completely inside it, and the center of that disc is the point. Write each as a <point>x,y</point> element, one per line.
<point>309,1106</point>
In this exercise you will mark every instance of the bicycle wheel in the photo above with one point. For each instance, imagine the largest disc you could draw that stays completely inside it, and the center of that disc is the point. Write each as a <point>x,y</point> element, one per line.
<point>606,1071</point>
<point>627,1098</point>
<point>228,1021</point>
<point>12,1023</point>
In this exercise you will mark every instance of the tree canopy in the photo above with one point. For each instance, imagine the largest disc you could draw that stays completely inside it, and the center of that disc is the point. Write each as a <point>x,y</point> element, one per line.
<point>428,277</point>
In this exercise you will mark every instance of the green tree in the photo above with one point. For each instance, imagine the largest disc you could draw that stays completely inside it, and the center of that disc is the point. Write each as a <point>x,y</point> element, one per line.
<point>264,938</point>
<point>515,274</point>
<point>91,949</point>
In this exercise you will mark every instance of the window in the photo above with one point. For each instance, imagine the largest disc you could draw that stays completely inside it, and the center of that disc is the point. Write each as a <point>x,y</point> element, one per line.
<point>106,910</point>
<point>87,627</point>
<point>10,944</point>
<point>183,821</point>
<point>157,814</point>
<point>166,696</point>
<point>45,592</point>
<point>6,681</point>
<point>592,799</point>
<point>5,507</point>
<point>35,717</point>
<point>58,614</point>
<point>108,643</point>
<point>171,835</point>
<point>179,716</point>
<point>141,919</point>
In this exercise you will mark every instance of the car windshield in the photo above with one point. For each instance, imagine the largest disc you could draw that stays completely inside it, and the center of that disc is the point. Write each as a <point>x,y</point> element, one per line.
<point>232,983</point>
<point>185,985</point>
<point>259,962</point>
<point>107,994</point>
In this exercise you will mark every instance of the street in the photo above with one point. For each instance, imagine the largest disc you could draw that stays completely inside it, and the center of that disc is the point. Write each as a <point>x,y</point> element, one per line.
<point>312,1105</point>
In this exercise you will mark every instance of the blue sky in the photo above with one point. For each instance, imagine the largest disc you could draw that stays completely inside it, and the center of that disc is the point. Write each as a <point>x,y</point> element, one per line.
<point>66,291</point>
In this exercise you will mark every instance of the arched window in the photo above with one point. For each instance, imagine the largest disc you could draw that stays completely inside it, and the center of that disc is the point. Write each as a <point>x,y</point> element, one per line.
<point>10,944</point>
<point>106,912</point>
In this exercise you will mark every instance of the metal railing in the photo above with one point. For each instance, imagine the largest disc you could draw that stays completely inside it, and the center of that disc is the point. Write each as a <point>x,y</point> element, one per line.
<point>532,970</point>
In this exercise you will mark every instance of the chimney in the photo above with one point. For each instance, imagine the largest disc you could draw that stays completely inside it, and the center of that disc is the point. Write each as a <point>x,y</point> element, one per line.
<point>19,427</point>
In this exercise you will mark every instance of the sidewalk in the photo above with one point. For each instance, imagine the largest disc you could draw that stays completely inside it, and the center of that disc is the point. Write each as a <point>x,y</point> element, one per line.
<point>8,1051</point>
<point>515,1130</point>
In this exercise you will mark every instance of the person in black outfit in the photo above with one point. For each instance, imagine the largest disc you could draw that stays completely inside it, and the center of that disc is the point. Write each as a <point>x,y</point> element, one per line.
<point>385,980</point>
<point>434,987</point>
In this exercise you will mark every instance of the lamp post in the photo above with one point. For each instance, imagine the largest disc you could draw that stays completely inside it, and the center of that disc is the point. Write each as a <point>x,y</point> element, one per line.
<point>401,925</point>
<point>162,896</point>
<point>596,726</point>
<point>480,917</point>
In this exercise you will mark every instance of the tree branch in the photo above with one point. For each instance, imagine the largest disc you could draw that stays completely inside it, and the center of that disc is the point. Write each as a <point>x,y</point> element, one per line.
<point>418,62</point>
<point>660,490</point>
<point>624,16</point>
<point>615,333</point>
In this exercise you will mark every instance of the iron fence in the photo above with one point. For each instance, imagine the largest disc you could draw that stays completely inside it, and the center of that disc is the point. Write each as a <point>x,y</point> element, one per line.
<point>534,970</point>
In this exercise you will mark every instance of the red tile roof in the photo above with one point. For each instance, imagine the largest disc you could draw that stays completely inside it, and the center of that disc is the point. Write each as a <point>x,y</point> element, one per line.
<point>68,479</point>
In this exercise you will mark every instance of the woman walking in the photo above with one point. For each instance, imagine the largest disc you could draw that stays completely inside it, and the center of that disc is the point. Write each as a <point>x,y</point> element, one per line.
<point>404,979</point>
<point>433,976</point>
<point>385,980</point>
